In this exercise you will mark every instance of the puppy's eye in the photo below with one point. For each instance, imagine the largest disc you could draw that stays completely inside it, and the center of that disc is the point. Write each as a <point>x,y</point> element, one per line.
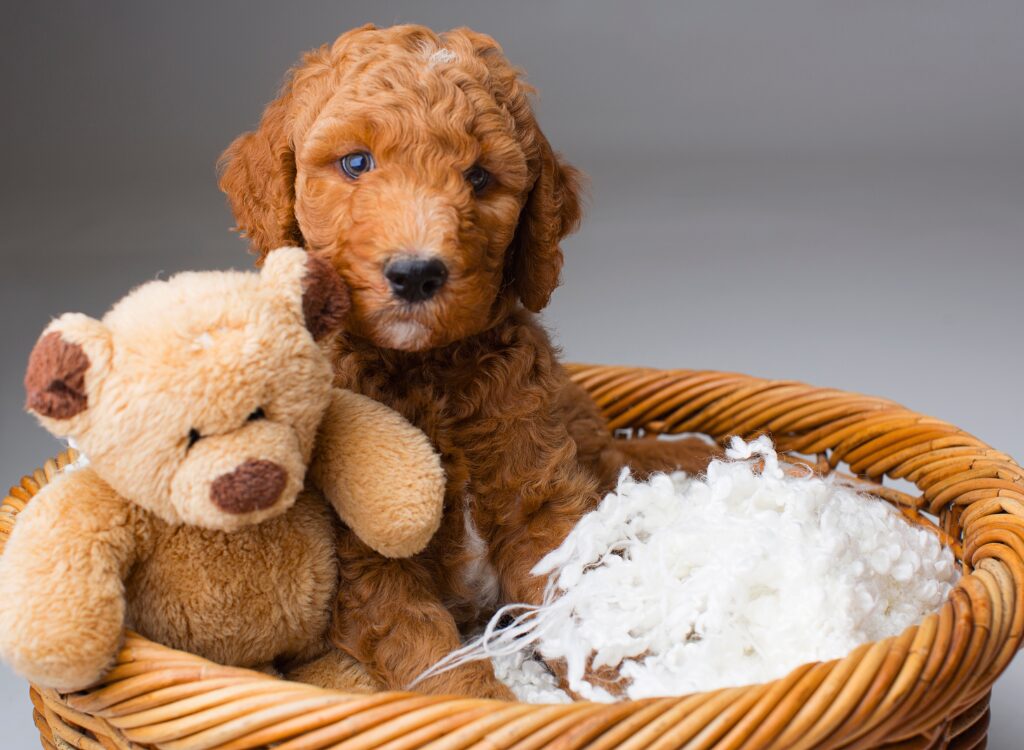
<point>478,178</point>
<point>193,438</point>
<point>258,414</point>
<point>356,164</point>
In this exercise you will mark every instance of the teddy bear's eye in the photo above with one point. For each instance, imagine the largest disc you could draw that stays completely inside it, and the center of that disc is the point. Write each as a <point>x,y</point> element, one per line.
<point>193,438</point>
<point>258,414</point>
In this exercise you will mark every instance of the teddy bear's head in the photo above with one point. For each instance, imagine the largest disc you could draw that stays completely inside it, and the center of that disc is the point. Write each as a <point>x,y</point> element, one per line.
<point>198,397</point>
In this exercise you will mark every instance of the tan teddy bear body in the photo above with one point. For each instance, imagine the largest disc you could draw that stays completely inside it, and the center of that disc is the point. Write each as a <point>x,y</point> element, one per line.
<point>200,403</point>
<point>187,590</point>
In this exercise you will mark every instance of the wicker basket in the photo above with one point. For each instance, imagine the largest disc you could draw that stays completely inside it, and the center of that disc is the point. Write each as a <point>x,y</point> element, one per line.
<point>926,688</point>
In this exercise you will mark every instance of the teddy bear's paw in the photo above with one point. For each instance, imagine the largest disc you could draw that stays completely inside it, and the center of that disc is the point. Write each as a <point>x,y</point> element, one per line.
<point>65,667</point>
<point>58,652</point>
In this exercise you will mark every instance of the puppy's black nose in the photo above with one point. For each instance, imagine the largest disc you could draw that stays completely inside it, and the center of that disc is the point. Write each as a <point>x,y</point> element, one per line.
<point>415,280</point>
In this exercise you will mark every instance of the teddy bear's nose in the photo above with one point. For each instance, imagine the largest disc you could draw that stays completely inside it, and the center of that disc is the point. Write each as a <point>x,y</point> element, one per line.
<point>254,485</point>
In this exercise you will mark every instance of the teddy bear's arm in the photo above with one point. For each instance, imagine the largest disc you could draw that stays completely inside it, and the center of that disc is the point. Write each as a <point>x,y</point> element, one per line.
<point>380,473</point>
<point>62,598</point>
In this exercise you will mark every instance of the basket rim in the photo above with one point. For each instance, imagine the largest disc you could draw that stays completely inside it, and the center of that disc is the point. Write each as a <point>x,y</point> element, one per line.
<point>881,691</point>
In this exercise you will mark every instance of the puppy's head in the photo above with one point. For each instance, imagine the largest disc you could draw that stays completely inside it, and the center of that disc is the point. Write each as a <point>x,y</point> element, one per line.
<point>414,162</point>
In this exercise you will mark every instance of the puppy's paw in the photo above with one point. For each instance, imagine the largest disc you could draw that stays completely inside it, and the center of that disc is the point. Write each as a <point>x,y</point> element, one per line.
<point>473,680</point>
<point>335,670</point>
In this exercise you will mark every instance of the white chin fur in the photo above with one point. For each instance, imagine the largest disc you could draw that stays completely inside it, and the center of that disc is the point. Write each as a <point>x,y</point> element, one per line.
<point>407,334</point>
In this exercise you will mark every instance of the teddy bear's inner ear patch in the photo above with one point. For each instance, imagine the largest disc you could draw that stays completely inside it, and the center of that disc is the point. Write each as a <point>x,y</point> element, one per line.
<point>55,379</point>
<point>325,300</point>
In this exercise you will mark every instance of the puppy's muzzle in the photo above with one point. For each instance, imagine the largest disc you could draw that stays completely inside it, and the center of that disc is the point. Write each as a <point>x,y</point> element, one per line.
<point>415,279</point>
<point>254,485</point>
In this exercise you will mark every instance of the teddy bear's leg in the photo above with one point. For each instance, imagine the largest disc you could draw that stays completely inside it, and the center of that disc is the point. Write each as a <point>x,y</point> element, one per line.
<point>335,670</point>
<point>391,619</point>
<point>62,602</point>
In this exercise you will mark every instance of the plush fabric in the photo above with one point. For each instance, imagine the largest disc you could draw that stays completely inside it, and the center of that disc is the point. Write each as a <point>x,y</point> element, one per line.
<point>199,402</point>
<point>366,448</point>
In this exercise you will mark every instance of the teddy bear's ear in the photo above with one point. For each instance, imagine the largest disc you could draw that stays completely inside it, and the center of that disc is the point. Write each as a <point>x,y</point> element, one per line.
<point>312,285</point>
<point>63,367</point>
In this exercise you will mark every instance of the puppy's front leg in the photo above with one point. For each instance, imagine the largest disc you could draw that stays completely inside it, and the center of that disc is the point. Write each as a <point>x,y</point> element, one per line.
<point>519,546</point>
<point>390,617</point>
<point>539,528</point>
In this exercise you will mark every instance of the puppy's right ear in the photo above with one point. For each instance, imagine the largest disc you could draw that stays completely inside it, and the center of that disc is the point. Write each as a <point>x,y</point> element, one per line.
<point>257,172</point>
<point>64,370</point>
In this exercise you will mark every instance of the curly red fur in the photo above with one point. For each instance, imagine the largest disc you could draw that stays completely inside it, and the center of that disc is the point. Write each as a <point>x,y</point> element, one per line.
<point>525,451</point>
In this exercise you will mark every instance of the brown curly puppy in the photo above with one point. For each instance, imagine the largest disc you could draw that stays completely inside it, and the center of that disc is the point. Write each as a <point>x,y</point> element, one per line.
<point>413,161</point>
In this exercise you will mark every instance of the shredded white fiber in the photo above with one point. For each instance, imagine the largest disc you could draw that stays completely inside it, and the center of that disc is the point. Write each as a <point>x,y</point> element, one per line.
<point>694,584</point>
<point>80,462</point>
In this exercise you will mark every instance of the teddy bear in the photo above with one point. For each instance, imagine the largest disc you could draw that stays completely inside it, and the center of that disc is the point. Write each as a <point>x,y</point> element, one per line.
<point>221,463</point>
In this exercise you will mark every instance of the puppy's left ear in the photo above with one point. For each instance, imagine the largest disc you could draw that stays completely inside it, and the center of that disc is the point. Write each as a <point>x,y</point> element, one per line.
<point>552,211</point>
<point>553,205</point>
<point>313,289</point>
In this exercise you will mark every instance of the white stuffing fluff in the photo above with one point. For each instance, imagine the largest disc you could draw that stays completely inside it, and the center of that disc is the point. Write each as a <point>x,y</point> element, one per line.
<point>80,462</point>
<point>738,577</point>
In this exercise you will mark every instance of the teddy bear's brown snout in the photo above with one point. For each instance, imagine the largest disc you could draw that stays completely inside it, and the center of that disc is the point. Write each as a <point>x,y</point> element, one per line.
<point>254,485</point>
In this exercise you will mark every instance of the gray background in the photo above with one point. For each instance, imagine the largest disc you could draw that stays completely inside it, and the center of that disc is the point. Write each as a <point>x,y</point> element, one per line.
<point>827,191</point>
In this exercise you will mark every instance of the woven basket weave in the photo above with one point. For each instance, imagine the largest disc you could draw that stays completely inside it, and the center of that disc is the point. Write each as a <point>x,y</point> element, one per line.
<point>926,688</point>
